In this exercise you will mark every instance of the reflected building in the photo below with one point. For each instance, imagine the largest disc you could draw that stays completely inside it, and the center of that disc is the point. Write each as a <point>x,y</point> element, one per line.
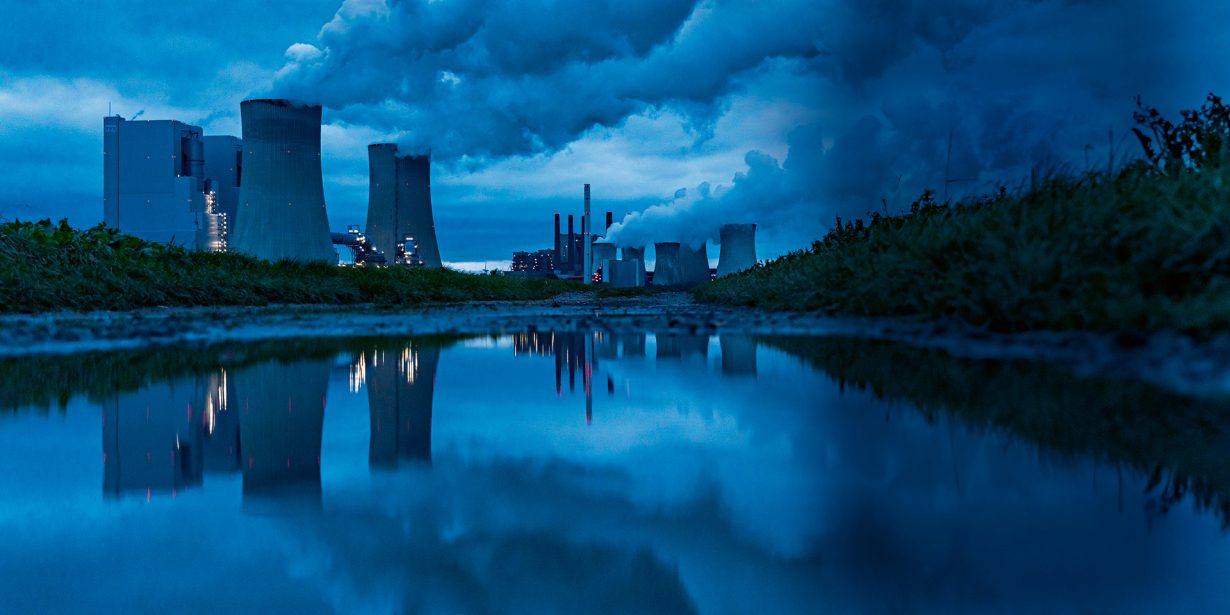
<point>281,416</point>
<point>220,428</point>
<point>689,346</point>
<point>633,344</point>
<point>152,438</point>
<point>400,385</point>
<point>738,354</point>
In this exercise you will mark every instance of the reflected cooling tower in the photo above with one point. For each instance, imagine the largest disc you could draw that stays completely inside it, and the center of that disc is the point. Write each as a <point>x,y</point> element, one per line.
<point>694,264</point>
<point>399,202</point>
<point>281,197</point>
<point>281,419</point>
<point>738,353</point>
<point>666,271</point>
<point>738,251</point>
<point>400,384</point>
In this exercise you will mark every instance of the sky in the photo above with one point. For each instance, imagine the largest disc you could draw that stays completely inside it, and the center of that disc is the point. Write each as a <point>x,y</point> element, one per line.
<point>684,114</point>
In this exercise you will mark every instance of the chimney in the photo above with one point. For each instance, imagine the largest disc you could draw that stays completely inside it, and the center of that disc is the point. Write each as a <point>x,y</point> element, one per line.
<point>587,231</point>
<point>555,239</point>
<point>610,219</point>
<point>572,253</point>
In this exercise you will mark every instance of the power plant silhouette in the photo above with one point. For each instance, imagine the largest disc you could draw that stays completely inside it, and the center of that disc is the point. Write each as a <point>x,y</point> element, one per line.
<point>263,195</point>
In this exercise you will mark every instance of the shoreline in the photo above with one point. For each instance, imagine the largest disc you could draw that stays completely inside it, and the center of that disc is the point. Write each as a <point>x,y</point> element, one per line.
<point>1169,360</point>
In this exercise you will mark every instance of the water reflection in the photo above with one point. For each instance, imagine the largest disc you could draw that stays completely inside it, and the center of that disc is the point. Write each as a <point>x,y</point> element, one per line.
<point>281,416</point>
<point>400,386</point>
<point>151,444</point>
<point>754,473</point>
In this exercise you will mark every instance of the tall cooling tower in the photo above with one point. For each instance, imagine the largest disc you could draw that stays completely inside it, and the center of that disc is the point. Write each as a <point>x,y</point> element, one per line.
<point>281,197</point>
<point>738,251</point>
<point>694,264</point>
<point>399,202</point>
<point>666,271</point>
<point>635,254</point>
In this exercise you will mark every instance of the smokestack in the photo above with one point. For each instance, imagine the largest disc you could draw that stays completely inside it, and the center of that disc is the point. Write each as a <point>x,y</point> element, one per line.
<point>587,229</point>
<point>666,270</point>
<point>282,197</point>
<point>610,219</point>
<point>555,238</point>
<point>694,264</point>
<point>738,250</point>
<point>572,243</point>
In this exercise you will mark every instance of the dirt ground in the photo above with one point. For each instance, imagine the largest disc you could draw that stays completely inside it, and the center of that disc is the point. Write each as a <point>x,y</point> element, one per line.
<point>1172,361</point>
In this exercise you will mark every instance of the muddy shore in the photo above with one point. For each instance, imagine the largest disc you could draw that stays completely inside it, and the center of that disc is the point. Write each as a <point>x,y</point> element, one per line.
<point>1172,361</point>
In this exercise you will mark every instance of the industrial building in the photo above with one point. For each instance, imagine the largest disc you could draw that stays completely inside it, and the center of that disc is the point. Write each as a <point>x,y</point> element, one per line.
<point>541,262</point>
<point>570,251</point>
<point>154,183</point>
<point>223,172</point>
<point>399,217</point>
<point>281,213</point>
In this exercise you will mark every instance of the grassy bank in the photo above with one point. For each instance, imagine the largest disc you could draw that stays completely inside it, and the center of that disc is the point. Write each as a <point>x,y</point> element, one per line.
<point>46,266</point>
<point>1142,248</point>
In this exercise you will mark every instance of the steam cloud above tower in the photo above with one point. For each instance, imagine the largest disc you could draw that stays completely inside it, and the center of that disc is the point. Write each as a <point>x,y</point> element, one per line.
<point>496,78</point>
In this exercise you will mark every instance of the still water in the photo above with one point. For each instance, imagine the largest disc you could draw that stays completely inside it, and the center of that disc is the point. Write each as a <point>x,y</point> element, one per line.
<point>592,472</point>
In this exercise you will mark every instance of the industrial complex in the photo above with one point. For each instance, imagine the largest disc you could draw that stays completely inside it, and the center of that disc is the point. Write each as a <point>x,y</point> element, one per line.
<point>262,194</point>
<point>588,257</point>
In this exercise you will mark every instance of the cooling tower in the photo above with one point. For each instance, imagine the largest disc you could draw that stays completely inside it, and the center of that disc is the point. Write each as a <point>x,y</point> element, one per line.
<point>281,197</point>
<point>399,202</point>
<point>738,251</point>
<point>694,264</point>
<point>635,254</point>
<point>666,271</point>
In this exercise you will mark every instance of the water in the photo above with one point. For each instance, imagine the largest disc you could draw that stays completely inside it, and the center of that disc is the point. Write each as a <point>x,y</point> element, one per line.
<point>592,472</point>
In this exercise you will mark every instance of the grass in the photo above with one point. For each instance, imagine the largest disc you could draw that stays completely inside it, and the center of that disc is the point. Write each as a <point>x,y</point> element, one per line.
<point>45,266</point>
<point>1144,248</point>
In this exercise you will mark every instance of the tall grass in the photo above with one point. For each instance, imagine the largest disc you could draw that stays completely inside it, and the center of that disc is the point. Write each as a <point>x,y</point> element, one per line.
<point>47,266</point>
<point>1145,247</point>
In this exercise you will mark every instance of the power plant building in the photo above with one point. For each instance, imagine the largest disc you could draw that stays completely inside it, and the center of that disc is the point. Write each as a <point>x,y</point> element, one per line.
<point>154,181</point>
<point>399,216</point>
<point>281,213</point>
<point>223,172</point>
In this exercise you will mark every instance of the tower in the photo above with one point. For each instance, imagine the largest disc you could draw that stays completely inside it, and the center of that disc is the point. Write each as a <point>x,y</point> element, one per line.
<point>281,198</point>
